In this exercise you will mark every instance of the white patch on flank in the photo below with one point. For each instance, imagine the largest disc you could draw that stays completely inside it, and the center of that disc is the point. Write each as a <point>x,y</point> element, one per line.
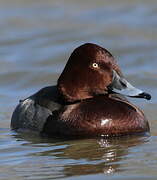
<point>104,121</point>
<point>69,110</point>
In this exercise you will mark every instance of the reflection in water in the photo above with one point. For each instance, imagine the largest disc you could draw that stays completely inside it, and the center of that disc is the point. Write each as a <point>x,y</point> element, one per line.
<point>86,156</point>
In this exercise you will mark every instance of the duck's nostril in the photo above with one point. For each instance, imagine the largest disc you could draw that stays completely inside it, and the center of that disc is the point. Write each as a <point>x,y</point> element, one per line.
<point>123,83</point>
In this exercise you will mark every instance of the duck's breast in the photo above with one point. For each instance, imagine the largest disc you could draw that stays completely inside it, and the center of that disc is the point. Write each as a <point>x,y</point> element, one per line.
<point>101,116</point>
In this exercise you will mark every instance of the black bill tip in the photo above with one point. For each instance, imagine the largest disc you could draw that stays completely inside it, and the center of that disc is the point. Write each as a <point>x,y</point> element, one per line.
<point>144,95</point>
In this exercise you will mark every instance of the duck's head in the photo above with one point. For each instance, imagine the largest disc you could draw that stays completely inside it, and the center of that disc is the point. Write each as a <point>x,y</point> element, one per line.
<point>92,70</point>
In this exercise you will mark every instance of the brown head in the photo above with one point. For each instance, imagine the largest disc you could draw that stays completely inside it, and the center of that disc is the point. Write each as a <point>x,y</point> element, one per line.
<point>92,70</point>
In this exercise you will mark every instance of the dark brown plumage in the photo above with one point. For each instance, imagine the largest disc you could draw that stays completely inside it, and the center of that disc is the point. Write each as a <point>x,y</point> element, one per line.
<point>84,102</point>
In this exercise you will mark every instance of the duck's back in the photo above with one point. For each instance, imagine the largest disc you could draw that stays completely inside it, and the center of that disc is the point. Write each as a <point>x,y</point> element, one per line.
<point>33,112</point>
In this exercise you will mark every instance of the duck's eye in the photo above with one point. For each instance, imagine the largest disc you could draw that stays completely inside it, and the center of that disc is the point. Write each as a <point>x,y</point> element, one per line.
<point>95,65</point>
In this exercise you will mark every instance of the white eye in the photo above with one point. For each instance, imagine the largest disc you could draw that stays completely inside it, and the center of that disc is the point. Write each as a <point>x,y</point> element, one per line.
<point>95,65</point>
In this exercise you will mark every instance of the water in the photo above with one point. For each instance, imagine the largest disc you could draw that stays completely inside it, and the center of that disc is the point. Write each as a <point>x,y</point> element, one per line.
<point>36,39</point>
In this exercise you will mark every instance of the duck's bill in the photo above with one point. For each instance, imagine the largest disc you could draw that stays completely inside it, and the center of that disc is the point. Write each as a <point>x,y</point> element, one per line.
<point>122,86</point>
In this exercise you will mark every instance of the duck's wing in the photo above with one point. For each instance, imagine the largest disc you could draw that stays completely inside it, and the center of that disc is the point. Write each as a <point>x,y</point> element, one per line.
<point>33,112</point>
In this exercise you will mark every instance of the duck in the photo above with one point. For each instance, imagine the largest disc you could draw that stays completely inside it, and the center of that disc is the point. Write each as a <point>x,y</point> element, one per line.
<point>90,99</point>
